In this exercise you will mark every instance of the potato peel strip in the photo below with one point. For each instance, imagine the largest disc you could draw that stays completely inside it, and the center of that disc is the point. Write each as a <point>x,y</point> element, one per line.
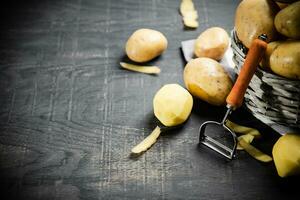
<point>147,142</point>
<point>189,13</point>
<point>242,129</point>
<point>248,138</point>
<point>254,152</point>
<point>142,69</point>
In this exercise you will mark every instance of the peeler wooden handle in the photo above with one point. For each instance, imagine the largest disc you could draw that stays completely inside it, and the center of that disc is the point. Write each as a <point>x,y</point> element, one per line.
<point>254,56</point>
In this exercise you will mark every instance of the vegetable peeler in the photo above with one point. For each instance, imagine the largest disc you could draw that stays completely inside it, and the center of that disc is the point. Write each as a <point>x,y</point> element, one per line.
<point>234,100</point>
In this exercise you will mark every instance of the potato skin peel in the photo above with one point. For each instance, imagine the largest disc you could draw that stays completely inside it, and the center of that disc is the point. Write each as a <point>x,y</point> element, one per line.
<point>254,152</point>
<point>147,142</point>
<point>189,14</point>
<point>141,69</point>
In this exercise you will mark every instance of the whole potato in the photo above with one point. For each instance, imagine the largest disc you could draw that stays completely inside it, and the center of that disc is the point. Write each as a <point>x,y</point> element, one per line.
<point>287,21</point>
<point>285,60</point>
<point>206,79</point>
<point>145,44</point>
<point>212,43</point>
<point>255,17</point>
<point>265,63</point>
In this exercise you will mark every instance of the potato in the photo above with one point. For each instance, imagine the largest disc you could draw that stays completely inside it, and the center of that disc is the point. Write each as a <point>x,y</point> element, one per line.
<point>172,105</point>
<point>285,60</point>
<point>212,43</point>
<point>265,63</point>
<point>145,44</point>
<point>287,21</point>
<point>286,155</point>
<point>206,79</point>
<point>255,17</point>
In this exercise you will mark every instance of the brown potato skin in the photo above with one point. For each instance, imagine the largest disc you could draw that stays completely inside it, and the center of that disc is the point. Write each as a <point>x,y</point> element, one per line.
<point>265,63</point>
<point>206,79</point>
<point>255,17</point>
<point>145,44</point>
<point>212,43</point>
<point>287,21</point>
<point>285,60</point>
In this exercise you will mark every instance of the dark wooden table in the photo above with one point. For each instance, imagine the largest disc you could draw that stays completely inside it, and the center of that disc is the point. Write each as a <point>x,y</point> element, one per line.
<point>69,115</point>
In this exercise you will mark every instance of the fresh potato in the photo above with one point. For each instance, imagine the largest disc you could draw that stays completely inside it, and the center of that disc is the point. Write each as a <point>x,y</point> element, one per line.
<point>286,154</point>
<point>255,17</point>
<point>206,79</point>
<point>265,63</point>
<point>287,21</point>
<point>172,105</point>
<point>285,60</point>
<point>212,43</point>
<point>145,44</point>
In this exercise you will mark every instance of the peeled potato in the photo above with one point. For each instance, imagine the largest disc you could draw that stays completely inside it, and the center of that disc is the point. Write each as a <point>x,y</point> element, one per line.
<point>206,79</point>
<point>145,44</point>
<point>212,43</point>
<point>172,105</point>
<point>286,154</point>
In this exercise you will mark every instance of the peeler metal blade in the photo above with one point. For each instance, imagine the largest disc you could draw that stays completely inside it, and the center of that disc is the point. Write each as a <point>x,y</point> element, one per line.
<point>216,145</point>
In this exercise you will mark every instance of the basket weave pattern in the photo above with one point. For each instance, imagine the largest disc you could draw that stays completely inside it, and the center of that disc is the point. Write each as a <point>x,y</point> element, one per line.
<point>269,97</point>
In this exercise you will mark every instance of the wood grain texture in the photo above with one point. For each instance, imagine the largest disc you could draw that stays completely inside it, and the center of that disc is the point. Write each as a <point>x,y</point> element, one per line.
<point>69,115</point>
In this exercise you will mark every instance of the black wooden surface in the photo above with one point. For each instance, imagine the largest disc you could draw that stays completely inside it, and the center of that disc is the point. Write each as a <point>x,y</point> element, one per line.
<point>69,115</point>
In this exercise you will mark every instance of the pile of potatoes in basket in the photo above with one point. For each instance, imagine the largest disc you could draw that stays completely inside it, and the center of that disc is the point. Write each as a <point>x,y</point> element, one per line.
<point>280,20</point>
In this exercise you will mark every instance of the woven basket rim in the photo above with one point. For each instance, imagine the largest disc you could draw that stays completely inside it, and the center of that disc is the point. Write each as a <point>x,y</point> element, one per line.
<point>265,73</point>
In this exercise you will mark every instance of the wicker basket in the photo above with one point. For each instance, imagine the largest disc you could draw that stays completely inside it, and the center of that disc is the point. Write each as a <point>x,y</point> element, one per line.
<point>269,97</point>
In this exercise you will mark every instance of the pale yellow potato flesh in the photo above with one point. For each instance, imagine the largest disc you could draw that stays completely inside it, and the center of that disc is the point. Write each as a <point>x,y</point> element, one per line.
<point>186,6</point>
<point>248,134</point>
<point>145,44</point>
<point>286,154</point>
<point>172,105</point>
<point>142,69</point>
<point>206,79</point>
<point>254,152</point>
<point>244,130</point>
<point>212,43</point>
<point>147,142</point>
<point>189,14</point>
<point>247,138</point>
